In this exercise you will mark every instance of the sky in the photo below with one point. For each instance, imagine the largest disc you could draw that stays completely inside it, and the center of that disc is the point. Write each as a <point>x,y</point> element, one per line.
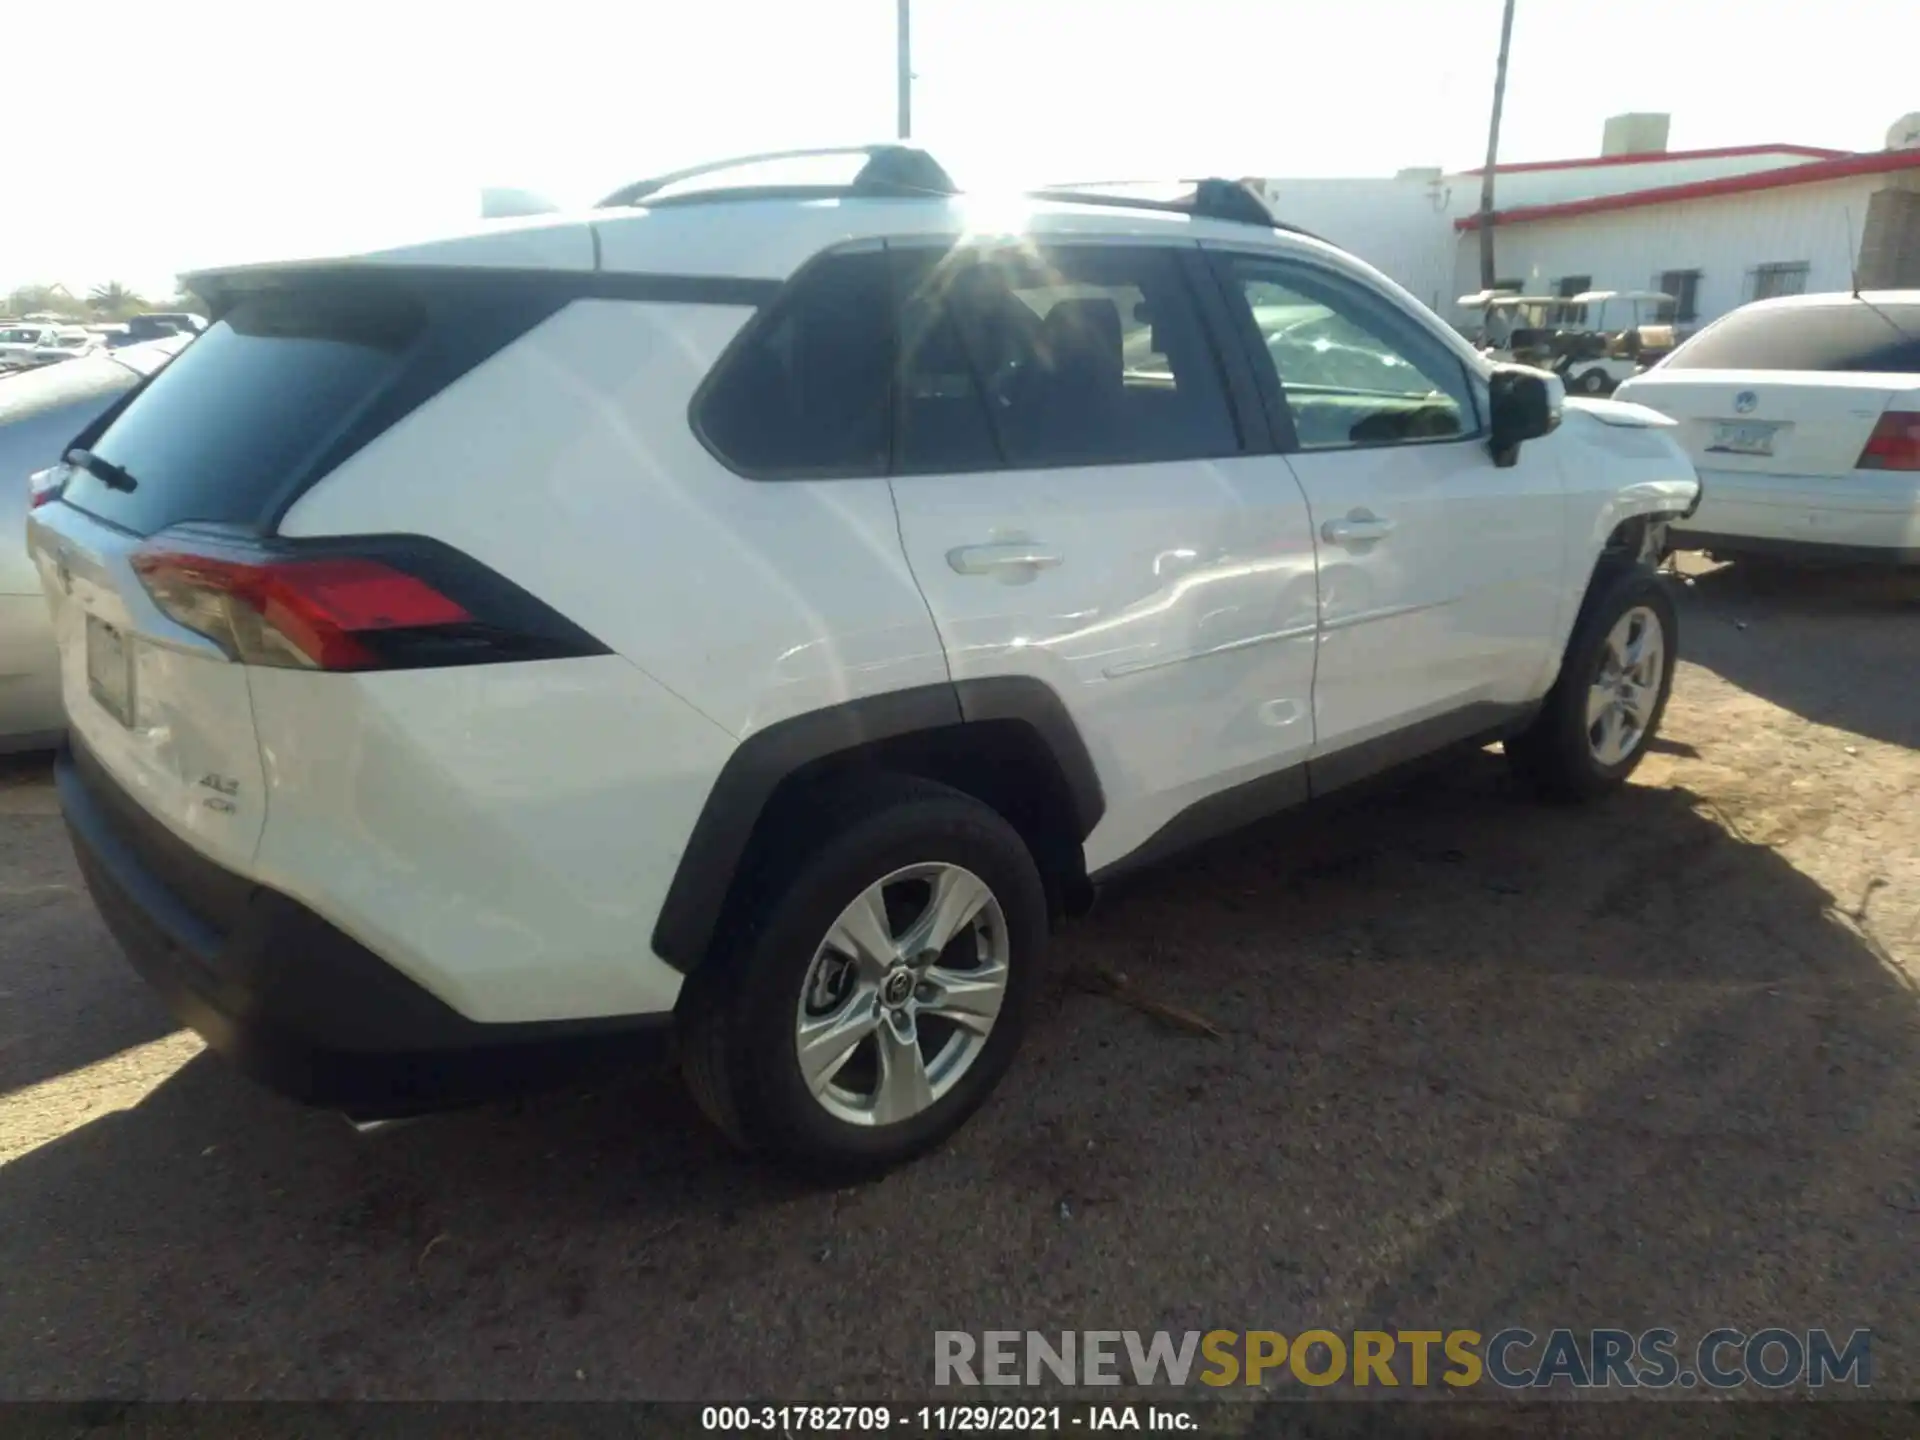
<point>306,128</point>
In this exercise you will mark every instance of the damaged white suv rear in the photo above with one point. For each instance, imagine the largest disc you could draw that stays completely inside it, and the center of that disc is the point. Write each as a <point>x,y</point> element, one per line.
<point>749,615</point>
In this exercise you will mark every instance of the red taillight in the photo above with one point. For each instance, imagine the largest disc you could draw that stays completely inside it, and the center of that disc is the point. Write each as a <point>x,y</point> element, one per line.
<point>323,613</point>
<point>44,486</point>
<point>1894,444</point>
<point>375,602</point>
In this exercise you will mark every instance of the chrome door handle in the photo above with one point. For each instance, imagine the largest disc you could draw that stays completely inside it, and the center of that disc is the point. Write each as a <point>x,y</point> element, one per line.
<point>986,559</point>
<point>1356,529</point>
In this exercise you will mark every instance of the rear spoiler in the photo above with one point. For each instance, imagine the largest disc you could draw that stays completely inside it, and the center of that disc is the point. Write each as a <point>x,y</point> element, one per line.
<point>220,285</point>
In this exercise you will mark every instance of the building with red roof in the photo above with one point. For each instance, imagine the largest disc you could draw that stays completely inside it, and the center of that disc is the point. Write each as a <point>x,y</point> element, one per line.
<point>1715,228</point>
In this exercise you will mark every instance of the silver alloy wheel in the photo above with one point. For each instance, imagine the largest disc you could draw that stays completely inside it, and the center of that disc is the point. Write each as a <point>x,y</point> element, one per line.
<point>1625,688</point>
<point>902,994</point>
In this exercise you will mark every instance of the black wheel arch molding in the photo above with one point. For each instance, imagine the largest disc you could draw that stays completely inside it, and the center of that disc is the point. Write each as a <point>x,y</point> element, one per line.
<point>769,763</point>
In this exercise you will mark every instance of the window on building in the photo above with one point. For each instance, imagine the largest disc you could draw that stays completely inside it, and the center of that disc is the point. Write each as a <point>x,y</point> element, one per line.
<point>1070,356</point>
<point>1789,277</point>
<point>1571,285</point>
<point>1684,286</point>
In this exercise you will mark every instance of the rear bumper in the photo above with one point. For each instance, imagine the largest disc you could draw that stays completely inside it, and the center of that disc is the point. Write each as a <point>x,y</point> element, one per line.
<point>292,1001</point>
<point>1864,515</point>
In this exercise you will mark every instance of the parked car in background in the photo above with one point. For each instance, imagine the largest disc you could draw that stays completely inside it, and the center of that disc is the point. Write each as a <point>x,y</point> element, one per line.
<point>1802,415</point>
<point>157,324</point>
<point>40,411</point>
<point>402,762</point>
<point>18,342</point>
<point>67,342</point>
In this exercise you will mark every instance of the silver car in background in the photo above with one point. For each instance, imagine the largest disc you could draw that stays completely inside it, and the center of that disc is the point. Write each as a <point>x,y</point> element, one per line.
<point>41,410</point>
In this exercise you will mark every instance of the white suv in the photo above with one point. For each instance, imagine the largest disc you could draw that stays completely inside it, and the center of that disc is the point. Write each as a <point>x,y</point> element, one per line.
<point>753,613</point>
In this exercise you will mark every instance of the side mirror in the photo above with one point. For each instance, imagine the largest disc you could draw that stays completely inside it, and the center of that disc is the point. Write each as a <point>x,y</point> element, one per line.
<point>1525,405</point>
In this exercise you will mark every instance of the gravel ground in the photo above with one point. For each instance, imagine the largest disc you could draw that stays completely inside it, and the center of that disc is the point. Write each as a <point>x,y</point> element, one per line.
<point>1482,1063</point>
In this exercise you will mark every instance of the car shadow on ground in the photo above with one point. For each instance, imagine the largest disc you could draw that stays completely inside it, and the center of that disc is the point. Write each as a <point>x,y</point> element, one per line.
<point>1480,1063</point>
<point>64,998</point>
<point>1803,637</point>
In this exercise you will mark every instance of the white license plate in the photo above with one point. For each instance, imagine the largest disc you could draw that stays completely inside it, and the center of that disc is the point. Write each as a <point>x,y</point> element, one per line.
<point>110,670</point>
<point>1748,438</point>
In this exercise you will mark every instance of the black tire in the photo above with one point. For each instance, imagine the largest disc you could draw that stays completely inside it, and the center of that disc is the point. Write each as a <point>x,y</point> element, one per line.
<point>1594,382</point>
<point>738,1021</point>
<point>1554,754</point>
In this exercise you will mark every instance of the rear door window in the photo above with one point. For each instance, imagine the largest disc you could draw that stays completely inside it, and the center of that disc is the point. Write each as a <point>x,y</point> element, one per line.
<point>246,408</point>
<point>1868,339</point>
<point>1060,356</point>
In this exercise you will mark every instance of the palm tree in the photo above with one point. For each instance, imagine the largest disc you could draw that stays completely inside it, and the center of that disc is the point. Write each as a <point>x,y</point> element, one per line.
<point>115,299</point>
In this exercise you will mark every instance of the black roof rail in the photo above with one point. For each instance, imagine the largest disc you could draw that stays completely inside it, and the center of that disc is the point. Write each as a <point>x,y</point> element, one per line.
<point>1212,198</point>
<point>891,172</point>
<point>894,171</point>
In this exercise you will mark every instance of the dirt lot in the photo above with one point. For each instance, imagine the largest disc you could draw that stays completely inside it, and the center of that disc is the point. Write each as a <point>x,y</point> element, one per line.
<point>1483,1063</point>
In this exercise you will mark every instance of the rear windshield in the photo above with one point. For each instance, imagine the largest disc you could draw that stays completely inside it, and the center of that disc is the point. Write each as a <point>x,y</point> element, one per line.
<point>1854,337</point>
<point>247,408</point>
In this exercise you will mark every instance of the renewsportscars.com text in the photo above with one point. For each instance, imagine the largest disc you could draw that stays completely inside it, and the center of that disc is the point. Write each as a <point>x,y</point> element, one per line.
<point>1514,1359</point>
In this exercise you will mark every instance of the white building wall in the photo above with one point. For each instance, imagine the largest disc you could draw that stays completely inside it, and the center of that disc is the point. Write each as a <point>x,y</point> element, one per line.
<point>1722,237</point>
<point>1405,226</point>
<point>1402,227</point>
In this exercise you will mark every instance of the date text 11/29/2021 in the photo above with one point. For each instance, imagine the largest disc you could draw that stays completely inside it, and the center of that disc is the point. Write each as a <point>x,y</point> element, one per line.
<point>941,1419</point>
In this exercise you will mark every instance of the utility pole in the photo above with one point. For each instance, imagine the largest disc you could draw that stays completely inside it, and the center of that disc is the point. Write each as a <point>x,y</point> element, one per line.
<point>904,64</point>
<point>1493,149</point>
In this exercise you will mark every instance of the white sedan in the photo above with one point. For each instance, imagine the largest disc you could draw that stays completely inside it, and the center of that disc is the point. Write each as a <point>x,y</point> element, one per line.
<point>1802,415</point>
<point>18,342</point>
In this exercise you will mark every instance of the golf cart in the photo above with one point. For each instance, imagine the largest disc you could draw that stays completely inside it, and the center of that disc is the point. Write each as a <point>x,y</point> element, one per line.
<point>1594,357</point>
<point>1514,327</point>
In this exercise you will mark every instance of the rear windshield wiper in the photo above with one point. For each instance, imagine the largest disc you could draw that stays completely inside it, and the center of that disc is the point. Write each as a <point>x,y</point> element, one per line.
<point>105,471</point>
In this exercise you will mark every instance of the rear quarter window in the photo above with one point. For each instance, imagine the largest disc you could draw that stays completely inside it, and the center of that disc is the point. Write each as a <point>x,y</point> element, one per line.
<point>805,390</point>
<point>1855,337</point>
